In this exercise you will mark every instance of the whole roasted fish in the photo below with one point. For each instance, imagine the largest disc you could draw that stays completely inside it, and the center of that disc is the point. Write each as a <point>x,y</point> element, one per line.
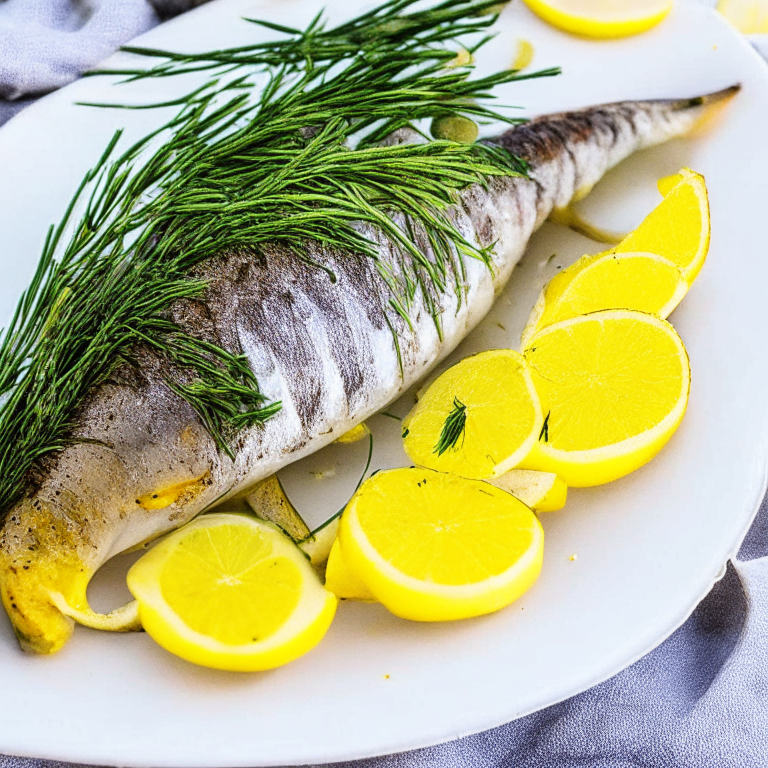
<point>144,462</point>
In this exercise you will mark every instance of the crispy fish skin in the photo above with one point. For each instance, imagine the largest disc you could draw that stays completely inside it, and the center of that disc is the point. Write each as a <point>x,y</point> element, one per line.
<point>147,465</point>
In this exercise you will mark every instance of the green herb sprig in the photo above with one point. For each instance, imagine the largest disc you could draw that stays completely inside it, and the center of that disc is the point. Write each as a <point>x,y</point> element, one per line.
<point>453,428</point>
<point>293,162</point>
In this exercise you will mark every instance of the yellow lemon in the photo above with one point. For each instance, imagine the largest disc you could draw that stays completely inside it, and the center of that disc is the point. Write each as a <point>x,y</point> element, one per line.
<point>355,434</point>
<point>542,491</point>
<point>478,419</point>
<point>641,281</point>
<point>748,16</point>
<point>601,18</point>
<point>431,546</point>
<point>231,592</point>
<point>678,228</point>
<point>615,386</point>
<point>342,581</point>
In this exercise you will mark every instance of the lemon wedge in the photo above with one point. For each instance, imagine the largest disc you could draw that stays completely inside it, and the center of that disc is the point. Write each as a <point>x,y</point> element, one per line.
<point>431,546</point>
<point>615,385</point>
<point>542,491</point>
<point>748,16</point>
<point>342,581</point>
<point>231,592</point>
<point>641,281</point>
<point>478,419</point>
<point>601,18</point>
<point>678,228</point>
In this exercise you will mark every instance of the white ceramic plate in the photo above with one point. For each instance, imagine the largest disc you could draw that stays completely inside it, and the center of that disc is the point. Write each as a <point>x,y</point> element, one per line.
<point>649,547</point>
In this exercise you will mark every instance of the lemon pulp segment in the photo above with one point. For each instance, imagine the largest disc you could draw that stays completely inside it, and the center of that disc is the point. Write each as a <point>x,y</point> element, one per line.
<point>502,416</point>
<point>641,281</point>
<point>602,18</point>
<point>432,546</point>
<point>678,228</point>
<point>616,386</point>
<point>232,592</point>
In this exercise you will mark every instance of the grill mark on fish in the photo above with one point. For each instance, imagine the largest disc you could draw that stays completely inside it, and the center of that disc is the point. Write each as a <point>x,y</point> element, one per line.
<point>325,350</point>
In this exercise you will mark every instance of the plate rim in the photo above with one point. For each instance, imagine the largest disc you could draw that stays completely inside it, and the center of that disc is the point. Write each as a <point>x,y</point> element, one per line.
<point>713,575</point>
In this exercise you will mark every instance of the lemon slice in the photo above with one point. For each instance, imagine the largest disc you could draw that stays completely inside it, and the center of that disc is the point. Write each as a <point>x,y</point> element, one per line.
<point>542,491</point>
<point>478,419</point>
<point>231,592</point>
<point>748,16</point>
<point>601,18</point>
<point>678,228</point>
<point>641,281</point>
<point>432,546</point>
<point>615,385</point>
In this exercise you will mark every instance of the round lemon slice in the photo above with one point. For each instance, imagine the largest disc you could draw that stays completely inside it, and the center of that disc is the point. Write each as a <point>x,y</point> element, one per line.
<point>615,385</point>
<point>478,419</point>
<point>641,281</point>
<point>231,592</point>
<point>431,546</point>
<point>601,18</point>
<point>678,228</point>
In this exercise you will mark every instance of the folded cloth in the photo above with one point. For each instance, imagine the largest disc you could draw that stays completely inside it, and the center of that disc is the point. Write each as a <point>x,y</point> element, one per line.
<point>700,700</point>
<point>45,44</point>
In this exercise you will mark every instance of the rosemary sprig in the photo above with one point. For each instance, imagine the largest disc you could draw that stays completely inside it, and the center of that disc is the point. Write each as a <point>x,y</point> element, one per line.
<point>296,162</point>
<point>453,428</point>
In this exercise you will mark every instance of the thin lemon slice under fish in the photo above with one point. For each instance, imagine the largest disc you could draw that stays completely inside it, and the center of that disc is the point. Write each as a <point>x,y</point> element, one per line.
<point>641,281</point>
<point>478,419</point>
<point>431,546</point>
<point>615,385</point>
<point>598,18</point>
<point>355,434</point>
<point>542,491</point>
<point>231,592</point>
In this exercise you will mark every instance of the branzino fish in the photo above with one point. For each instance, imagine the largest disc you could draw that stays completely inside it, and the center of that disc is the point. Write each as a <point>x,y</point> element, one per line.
<point>144,463</point>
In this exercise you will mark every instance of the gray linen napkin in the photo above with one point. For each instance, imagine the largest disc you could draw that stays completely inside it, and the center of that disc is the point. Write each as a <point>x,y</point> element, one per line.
<point>700,700</point>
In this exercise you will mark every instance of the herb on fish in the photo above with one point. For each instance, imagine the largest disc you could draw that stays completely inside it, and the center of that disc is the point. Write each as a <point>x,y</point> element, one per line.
<point>293,161</point>
<point>453,428</point>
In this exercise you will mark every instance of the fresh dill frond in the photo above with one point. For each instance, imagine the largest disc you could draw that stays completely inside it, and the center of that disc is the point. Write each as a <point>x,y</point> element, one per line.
<point>544,434</point>
<point>294,161</point>
<point>453,428</point>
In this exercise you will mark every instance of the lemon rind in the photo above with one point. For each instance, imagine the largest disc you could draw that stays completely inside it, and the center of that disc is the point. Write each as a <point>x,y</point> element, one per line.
<point>596,28</point>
